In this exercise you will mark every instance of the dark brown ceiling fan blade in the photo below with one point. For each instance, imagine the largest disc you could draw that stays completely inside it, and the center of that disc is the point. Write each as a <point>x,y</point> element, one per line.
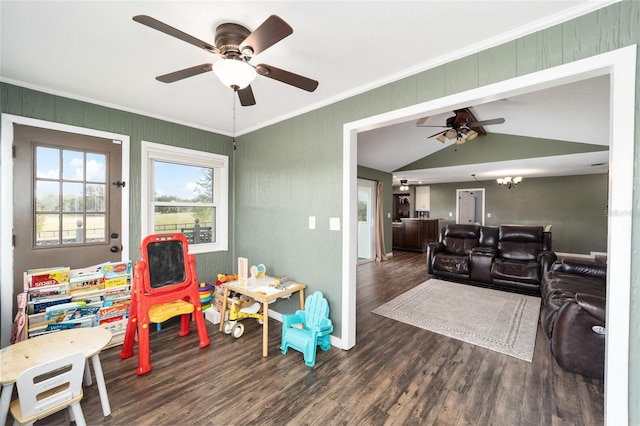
<point>246,96</point>
<point>287,77</point>
<point>187,72</point>
<point>486,122</point>
<point>267,34</point>
<point>174,32</point>
<point>420,122</point>
<point>438,134</point>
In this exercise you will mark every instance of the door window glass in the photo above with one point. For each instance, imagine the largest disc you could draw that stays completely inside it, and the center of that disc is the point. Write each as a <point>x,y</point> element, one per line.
<point>70,197</point>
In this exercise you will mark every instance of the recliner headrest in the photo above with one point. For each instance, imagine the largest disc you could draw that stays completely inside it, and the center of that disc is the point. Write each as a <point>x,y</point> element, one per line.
<point>462,231</point>
<point>521,233</point>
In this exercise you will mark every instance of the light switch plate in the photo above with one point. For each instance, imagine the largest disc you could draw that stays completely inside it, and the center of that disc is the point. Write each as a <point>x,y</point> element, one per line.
<point>334,224</point>
<point>312,222</point>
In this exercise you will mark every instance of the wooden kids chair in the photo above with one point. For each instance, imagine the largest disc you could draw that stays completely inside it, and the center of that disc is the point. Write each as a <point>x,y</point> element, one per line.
<point>165,285</point>
<point>315,330</point>
<point>48,388</point>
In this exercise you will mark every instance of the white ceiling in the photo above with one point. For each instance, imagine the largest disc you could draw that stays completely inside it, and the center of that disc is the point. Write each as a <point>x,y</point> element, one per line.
<point>94,51</point>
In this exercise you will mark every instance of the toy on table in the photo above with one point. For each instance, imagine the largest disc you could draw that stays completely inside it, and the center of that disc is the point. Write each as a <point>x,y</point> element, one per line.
<point>242,308</point>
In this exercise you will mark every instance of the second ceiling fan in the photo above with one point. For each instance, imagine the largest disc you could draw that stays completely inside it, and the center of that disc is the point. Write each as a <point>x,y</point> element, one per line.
<point>462,127</point>
<point>236,46</point>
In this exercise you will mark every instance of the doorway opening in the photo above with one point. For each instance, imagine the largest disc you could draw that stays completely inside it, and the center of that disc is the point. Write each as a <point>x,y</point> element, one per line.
<point>470,205</point>
<point>620,65</point>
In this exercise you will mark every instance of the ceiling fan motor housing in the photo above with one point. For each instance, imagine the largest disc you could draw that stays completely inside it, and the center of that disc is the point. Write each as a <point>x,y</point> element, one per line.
<point>228,39</point>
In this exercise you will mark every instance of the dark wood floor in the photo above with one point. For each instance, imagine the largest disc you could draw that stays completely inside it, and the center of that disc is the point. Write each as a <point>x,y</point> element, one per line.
<point>397,375</point>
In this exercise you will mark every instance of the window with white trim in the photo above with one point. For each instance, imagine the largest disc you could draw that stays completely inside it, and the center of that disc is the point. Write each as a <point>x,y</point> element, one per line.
<point>186,191</point>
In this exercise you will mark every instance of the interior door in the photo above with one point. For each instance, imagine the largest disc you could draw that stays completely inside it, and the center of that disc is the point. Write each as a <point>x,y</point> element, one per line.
<point>366,206</point>
<point>67,200</point>
<point>467,210</point>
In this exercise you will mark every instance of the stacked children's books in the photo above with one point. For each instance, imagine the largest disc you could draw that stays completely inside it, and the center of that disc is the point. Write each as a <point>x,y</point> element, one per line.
<point>62,298</point>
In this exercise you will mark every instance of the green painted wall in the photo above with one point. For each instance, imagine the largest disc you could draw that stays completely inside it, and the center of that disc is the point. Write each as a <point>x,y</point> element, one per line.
<point>387,204</point>
<point>308,149</point>
<point>575,206</point>
<point>33,104</point>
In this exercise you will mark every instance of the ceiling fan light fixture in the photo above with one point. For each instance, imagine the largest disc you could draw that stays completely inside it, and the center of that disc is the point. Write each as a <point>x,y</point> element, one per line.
<point>471,135</point>
<point>441,138</point>
<point>403,185</point>
<point>451,134</point>
<point>234,73</point>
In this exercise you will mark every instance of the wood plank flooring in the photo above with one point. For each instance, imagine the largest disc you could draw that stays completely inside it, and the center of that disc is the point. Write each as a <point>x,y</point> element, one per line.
<point>396,375</point>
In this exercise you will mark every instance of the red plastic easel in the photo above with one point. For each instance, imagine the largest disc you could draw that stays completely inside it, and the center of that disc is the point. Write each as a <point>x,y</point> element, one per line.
<point>165,285</point>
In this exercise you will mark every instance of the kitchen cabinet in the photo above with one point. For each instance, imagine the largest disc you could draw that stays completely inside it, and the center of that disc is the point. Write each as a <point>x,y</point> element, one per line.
<point>414,234</point>
<point>423,198</point>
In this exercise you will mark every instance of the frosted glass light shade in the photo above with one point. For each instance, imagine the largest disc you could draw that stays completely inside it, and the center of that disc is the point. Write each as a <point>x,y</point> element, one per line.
<point>233,72</point>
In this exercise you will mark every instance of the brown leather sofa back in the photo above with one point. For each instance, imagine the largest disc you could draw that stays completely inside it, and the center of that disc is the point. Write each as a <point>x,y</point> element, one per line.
<point>520,242</point>
<point>460,239</point>
<point>489,236</point>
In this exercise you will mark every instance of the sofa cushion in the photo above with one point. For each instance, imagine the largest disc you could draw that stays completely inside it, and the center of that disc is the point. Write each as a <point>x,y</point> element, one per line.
<point>451,264</point>
<point>508,270</point>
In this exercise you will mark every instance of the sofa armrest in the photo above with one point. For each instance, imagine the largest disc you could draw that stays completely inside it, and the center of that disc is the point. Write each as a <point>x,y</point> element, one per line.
<point>546,259</point>
<point>578,339</point>
<point>593,305</point>
<point>432,249</point>
<point>582,267</point>
<point>483,250</point>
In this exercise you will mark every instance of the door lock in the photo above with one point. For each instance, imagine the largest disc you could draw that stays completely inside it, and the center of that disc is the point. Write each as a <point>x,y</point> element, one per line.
<point>114,249</point>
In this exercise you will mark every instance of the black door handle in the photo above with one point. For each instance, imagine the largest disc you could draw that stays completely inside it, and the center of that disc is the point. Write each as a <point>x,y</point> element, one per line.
<point>114,249</point>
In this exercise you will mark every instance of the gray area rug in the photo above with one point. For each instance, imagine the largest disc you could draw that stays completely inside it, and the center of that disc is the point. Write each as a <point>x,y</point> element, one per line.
<point>501,321</point>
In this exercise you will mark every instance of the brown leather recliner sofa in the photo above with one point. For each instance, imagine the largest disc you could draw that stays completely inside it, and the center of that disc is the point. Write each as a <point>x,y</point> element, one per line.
<point>573,314</point>
<point>509,256</point>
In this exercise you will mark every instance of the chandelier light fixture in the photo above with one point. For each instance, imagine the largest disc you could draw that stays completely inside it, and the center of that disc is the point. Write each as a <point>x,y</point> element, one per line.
<point>403,185</point>
<point>234,73</point>
<point>508,181</point>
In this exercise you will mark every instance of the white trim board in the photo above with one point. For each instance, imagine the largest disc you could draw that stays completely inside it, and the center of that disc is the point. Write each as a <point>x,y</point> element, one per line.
<point>620,65</point>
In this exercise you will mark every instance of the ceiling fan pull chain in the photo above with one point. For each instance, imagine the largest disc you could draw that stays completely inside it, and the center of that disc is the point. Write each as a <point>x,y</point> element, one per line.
<point>233,129</point>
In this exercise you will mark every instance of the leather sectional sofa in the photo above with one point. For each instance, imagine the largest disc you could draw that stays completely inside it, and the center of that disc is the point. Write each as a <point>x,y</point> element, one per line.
<point>509,256</point>
<point>573,315</point>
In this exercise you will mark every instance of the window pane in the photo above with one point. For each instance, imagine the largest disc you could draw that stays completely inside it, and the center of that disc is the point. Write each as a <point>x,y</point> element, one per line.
<point>177,182</point>
<point>96,228</point>
<point>72,198</point>
<point>47,163</point>
<point>96,200</point>
<point>47,196</point>
<point>72,165</point>
<point>72,229</point>
<point>196,223</point>
<point>96,167</point>
<point>47,229</point>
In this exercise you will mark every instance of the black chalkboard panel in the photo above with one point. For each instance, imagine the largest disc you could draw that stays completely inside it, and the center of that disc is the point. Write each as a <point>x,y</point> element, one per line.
<point>166,265</point>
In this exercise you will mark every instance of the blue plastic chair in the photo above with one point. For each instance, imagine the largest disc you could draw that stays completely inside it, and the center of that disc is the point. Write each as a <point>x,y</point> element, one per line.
<point>315,330</point>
